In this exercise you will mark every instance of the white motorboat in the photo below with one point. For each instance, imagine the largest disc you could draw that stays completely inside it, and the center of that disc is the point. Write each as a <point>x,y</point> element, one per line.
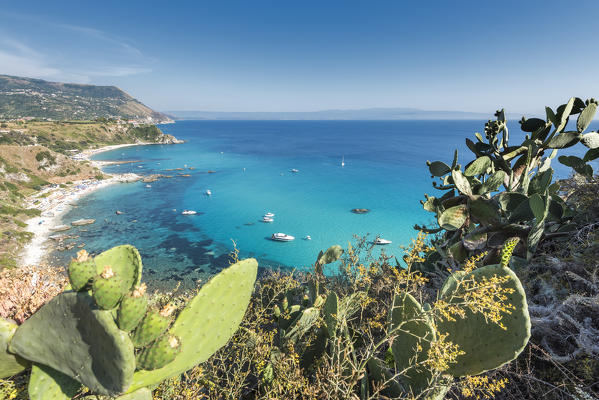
<point>343,161</point>
<point>307,237</point>
<point>282,237</point>
<point>189,212</point>
<point>294,170</point>
<point>269,215</point>
<point>148,186</point>
<point>208,192</point>
<point>267,219</point>
<point>382,241</point>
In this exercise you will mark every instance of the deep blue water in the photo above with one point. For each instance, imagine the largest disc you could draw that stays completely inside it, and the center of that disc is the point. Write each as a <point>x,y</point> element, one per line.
<point>384,171</point>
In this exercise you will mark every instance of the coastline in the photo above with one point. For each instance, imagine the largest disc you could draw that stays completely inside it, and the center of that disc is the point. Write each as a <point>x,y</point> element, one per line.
<point>54,202</point>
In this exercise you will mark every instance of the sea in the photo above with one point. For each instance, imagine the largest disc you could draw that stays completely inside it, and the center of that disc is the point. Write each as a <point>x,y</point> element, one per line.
<point>247,166</point>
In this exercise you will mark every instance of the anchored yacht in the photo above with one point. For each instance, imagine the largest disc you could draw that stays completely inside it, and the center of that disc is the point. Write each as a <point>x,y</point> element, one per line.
<point>282,237</point>
<point>267,219</point>
<point>381,241</point>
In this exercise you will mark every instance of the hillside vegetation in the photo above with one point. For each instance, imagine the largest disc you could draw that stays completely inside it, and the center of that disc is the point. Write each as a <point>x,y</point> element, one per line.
<point>36,98</point>
<point>36,154</point>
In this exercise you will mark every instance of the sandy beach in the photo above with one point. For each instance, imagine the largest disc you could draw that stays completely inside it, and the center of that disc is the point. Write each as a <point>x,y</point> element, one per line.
<point>55,201</point>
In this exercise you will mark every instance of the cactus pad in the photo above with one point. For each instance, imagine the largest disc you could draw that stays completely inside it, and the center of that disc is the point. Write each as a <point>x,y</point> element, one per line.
<point>10,364</point>
<point>81,271</point>
<point>154,324</point>
<point>72,336</point>
<point>158,354</point>
<point>107,289</point>
<point>412,342</point>
<point>331,309</point>
<point>132,309</point>
<point>454,217</point>
<point>486,344</point>
<point>332,254</point>
<point>47,383</point>
<point>125,261</point>
<point>140,394</point>
<point>207,322</point>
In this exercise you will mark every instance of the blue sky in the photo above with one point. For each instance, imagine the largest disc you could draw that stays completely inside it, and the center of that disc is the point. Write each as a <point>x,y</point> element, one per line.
<point>312,55</point>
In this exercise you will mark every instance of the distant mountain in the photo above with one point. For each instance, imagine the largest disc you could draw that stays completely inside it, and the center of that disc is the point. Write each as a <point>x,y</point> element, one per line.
<point>361,114</point>
<point>27,97</point>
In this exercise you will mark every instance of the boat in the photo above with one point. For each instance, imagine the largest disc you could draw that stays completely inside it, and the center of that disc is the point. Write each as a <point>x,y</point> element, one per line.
<point>267,219</point>
<point>189,212</point>
<point>148,186</point>
<point>294,170</point>
<point>343,161</point>
<point>381,241</point>
<point>208,192</point>
<point>269,215</point>
<point>307,237</point>
<point>117,212</point>
<point>360,210</point>
<point>282,237</point>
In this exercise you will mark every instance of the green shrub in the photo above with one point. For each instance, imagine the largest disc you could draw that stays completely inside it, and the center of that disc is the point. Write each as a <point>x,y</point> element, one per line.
<point>507,190</point>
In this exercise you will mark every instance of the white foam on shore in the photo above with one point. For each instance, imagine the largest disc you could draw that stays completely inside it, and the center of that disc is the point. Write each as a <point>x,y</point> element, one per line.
<point>59,201</point>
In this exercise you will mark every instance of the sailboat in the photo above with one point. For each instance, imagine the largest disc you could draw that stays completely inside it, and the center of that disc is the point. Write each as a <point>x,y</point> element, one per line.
<point>343,161</point>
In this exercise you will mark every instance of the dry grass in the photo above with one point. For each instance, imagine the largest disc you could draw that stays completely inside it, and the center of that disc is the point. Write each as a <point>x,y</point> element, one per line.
<point>24,290</point>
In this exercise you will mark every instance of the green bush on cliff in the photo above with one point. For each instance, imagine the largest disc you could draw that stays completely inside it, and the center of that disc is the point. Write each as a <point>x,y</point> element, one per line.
<point>508,189</point>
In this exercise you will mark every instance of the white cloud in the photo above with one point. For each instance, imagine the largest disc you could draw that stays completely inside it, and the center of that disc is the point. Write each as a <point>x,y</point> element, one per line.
<point>94,54</point>
<point>16,58</point>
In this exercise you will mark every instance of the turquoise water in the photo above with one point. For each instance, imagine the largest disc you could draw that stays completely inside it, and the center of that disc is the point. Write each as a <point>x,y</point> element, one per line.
<point>384,171</point>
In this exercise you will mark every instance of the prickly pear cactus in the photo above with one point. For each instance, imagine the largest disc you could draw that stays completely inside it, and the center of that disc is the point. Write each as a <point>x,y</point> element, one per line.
<point>331,310</point>
<point>158,354</point>
<point>302,324</point>
<point>207,322</point>
<point>82,271</point>
<point>507,250</point>
<point>72,336</point>
<point>378,372</point>
<point>125,262</point>
<point>486,345</point>
<point>154,324</point>
<point>47,383</point>
<point>414,335</point>
<point>139,394</point>
<point>10,364</point>
<point>332,254</point>
<point>132,308</point>
<point>107,289</point>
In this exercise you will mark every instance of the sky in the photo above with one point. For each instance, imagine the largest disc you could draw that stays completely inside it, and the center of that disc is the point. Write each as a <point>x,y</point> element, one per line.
<point>312,55</point>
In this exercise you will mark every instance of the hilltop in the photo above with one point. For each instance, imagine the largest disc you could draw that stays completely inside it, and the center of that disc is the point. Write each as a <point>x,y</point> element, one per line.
<point>35,98</point>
